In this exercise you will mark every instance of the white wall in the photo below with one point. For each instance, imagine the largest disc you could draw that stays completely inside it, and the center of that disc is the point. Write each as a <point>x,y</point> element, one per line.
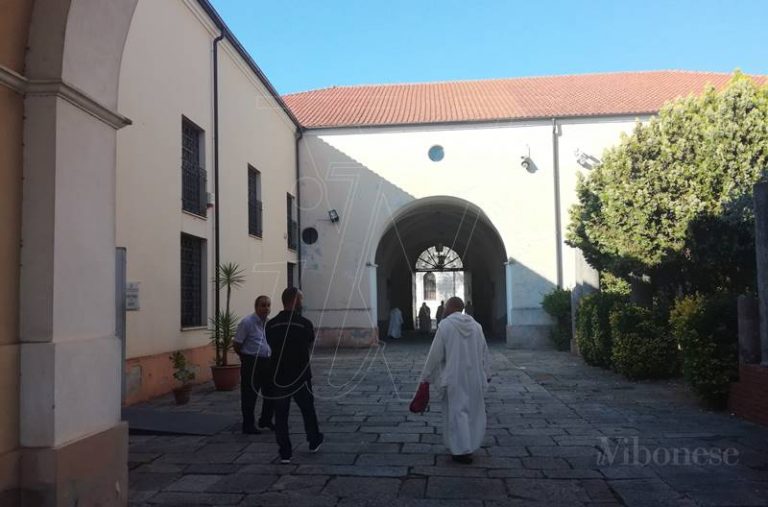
<point>369,174</point>
<point>167,74</point>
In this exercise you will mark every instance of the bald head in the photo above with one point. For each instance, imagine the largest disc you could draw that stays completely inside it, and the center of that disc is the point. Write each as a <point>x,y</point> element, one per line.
<point>453,305</point>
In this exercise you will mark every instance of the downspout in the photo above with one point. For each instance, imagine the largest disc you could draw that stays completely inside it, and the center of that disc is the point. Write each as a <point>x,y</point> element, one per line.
<point>299,136</point>
<point>558,221</point>
<point>216,211</point>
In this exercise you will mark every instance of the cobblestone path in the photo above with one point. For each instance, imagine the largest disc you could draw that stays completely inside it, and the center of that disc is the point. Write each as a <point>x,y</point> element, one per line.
<point>559,433</point>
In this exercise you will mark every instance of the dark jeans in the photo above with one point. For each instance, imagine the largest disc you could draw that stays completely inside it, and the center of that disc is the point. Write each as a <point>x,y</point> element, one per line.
<point>255,376</point>
<point>306,401</point>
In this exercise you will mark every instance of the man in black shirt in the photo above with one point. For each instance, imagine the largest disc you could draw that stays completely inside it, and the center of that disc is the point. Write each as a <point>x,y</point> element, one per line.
<point>290,336</point>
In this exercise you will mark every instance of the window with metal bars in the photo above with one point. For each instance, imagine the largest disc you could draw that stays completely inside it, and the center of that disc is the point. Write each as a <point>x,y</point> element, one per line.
<point>291,274</point>
<point>193,176</point>
<point>293,226</point>
<point>192,281</point>
<point>430,286</point>
<point>255,209</point>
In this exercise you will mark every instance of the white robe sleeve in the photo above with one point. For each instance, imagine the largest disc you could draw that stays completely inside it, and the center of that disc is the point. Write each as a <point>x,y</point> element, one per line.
<point>435,360</point>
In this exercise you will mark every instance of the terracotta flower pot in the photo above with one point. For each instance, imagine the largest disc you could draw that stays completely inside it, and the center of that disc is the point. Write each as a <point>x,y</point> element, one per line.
<point>226,378</point>
<point>182,394</point>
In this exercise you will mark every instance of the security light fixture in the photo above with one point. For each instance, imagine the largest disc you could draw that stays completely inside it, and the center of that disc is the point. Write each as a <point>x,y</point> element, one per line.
<point>333,216</point>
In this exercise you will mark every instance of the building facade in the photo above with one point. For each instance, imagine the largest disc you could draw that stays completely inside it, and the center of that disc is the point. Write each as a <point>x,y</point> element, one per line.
<point>166,203</point>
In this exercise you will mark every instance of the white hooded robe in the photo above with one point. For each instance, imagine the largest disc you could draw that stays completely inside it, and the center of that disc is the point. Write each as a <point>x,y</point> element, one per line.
<point>395,323</point>
<point>458,365</point>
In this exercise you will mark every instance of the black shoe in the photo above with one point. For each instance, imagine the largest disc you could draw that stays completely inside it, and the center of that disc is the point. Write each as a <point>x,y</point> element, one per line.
<point>250,430</point>
<point>315,446</point>
<point>464,459</point>
<point>266,424</point>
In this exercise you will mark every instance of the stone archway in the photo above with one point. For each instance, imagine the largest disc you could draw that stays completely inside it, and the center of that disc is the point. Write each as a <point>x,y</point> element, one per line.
<point>63,67</point>
<point>459,225</point>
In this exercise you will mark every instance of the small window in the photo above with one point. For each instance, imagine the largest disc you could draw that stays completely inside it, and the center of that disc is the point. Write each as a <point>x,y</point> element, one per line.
<point>193,176</point>
<point>436,153</point>
<point>255,208</point>
<point>293,225</point>
<point>430,286</point>
<point>192,281</point>
<point>291,274</point>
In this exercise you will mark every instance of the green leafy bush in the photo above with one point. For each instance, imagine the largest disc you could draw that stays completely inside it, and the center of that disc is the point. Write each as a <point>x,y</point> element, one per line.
<point>706,329</point>
<point>593,328</point>
<point>642,346</point>
<point>558,304</point>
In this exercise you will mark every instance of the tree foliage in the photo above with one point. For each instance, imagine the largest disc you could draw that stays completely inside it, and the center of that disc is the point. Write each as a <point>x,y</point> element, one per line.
<point>672,201</point>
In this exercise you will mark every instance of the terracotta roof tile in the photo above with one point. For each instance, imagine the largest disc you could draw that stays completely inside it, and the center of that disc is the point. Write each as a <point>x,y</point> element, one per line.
<point>624,93</point>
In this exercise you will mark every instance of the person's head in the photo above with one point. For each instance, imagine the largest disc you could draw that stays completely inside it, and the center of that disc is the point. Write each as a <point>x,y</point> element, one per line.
<point>424,304</point>
<point>262,306</point>
<point>292,299</point>
<point>454,304</point>
<point>442,303</point>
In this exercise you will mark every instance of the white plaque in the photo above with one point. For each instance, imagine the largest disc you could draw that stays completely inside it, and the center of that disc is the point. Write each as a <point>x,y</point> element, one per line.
<point>132,296</point>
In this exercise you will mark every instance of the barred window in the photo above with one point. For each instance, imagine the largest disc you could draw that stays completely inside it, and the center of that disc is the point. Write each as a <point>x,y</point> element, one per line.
<point>193,175</point>
<point>255,209</point>
<point>291,274</point>
<point>293,225</point>
<point>192,281</point>
<point>430,286</point>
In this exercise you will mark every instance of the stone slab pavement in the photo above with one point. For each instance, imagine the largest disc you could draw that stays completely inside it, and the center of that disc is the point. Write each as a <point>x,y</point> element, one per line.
<point>559,433</point>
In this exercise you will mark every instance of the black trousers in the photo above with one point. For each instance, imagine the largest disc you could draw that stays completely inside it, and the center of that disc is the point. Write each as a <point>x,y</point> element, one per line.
<point>304,398</point>
<point>255,376</point>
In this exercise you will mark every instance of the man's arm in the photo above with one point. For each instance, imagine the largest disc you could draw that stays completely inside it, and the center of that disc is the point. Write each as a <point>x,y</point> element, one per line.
<point>435,359</point>
<point>240,335</point>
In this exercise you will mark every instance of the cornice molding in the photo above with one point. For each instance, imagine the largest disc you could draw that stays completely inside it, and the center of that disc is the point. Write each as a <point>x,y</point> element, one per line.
<point>59,88</point>
<point>13,80</point>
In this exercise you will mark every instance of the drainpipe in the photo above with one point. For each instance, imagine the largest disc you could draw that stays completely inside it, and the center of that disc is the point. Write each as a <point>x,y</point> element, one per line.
<point>299,135</point>
<point>216,211</point>
<point>558,224</point>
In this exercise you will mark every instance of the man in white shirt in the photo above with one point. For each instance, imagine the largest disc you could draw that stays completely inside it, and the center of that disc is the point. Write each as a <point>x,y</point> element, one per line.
<point>250,343</point>
<point>458,365</point>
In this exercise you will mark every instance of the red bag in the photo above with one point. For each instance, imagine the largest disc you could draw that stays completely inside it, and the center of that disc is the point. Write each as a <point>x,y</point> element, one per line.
<point>420,399</point>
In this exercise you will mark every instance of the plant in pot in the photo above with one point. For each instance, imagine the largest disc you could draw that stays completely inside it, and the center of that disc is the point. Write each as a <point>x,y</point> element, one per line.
<point>226,376</point>
<point>183,374</point>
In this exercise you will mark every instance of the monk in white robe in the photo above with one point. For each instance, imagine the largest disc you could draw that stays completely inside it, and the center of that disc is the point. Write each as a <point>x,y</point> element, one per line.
<point>458,366</point>
<point>395,323</point>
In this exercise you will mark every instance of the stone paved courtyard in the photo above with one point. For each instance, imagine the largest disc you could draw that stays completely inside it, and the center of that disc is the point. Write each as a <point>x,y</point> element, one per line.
<point>553,426</point>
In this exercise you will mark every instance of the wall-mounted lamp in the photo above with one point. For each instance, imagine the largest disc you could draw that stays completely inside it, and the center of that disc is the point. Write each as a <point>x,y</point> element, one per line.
<point>526,162</point>
<point>585,160</point>
<point>333,216</point>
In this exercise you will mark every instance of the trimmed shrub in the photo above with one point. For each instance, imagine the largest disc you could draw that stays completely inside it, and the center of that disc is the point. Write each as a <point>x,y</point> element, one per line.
<point>642,347</point>
<point>706,329</point>
<point>593,328</point>
<point>558,304</point>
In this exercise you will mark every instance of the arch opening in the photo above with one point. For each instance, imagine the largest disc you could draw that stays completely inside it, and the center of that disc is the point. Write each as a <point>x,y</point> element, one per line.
<point>435,248</point>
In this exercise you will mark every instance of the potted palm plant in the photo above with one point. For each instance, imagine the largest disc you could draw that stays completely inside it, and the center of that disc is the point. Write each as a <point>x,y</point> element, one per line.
<point>224,323</point>
<point>184,375</point>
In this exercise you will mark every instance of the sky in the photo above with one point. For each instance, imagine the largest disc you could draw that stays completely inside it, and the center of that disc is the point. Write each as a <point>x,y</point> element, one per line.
<point>308,44</point>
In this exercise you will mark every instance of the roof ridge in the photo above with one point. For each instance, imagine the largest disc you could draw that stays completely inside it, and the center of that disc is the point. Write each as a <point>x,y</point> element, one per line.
<point>515,78</point>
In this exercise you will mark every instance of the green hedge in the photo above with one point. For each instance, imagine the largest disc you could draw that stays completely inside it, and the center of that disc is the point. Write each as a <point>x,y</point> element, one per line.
<point>558,304</point>
<point>707,331</point>
<point>642,346</point>
<point>593,329</point>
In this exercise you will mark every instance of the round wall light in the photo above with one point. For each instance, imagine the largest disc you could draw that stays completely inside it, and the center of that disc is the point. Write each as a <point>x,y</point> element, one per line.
<point>309,235</point>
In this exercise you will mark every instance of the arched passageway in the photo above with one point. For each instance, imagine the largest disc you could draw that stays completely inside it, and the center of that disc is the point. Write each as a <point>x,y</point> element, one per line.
<point>450,224</point>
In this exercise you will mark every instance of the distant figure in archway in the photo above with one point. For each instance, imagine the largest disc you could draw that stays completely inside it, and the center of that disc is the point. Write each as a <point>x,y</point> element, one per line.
<point>425,319</point>
<point>458,365</point>
<point>395,323</point>
<point>468,309</point>
<point>439,313</point>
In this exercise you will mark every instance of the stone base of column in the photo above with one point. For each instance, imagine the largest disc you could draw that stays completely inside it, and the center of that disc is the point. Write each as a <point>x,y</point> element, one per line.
<point>89,471</point>
<point>348,337</point>
<point>529,337</point>
<point>9,478</point>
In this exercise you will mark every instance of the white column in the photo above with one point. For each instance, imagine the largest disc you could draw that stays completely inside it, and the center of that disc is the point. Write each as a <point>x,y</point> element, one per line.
<point>508,275</point>
<point>373,293</point>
